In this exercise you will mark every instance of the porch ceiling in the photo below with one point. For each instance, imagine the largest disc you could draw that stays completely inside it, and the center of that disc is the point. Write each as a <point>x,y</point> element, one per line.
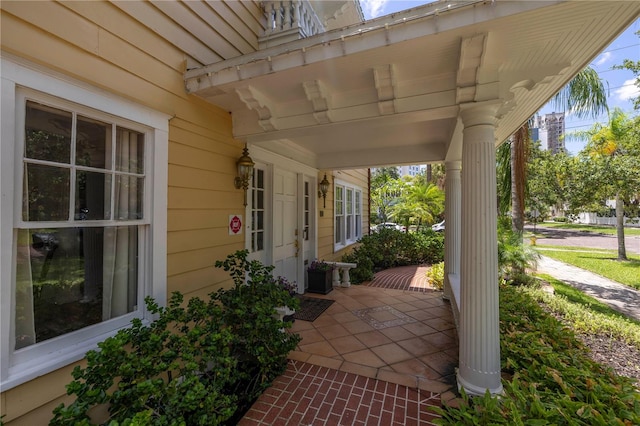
<point>388,91</point>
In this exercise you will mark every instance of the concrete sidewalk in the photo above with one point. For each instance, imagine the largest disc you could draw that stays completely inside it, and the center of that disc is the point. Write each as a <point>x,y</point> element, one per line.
<point>620,297</point>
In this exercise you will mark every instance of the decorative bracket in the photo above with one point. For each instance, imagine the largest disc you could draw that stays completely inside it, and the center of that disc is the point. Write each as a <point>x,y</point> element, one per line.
<point>259,103</point>
<point>384,77</point>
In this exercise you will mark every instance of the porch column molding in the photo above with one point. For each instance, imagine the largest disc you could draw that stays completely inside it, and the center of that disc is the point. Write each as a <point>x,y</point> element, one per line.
<point>479,368</point>
<point>452,216</point>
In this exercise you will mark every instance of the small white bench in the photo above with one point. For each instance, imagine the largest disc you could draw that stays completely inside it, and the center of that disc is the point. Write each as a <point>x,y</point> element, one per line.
<point>342,268</point>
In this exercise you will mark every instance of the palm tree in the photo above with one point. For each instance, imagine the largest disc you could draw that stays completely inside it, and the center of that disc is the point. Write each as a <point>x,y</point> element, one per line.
<point>421,203</point>
<point>584,95</point>
<point>616,171</point>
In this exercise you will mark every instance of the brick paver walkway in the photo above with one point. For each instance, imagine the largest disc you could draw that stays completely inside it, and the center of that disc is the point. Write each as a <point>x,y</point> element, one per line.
<point>379,355</point>
<point>308,394</point>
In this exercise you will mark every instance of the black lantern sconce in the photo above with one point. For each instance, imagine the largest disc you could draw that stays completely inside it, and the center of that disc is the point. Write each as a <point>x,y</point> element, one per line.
<point>245,172</point>
<point>324,188</point>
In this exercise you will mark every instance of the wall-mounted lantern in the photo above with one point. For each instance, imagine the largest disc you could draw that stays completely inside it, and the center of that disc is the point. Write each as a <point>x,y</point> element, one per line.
<point>245,172</point>
<point>324,188</point>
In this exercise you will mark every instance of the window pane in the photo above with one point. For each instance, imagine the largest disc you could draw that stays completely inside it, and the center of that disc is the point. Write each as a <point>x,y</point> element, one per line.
<point>338,230</point>
<point>93,195</point>
<point>47,133</point>
<point>46,193</point>
<point>128,198</point>
<point>129,151</point>
<point>93,143</point>
<point>70,278</point>
<point>339,201</point>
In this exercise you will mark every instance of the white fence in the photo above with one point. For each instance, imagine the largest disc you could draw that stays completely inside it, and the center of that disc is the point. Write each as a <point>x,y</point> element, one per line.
<point>594,219</point>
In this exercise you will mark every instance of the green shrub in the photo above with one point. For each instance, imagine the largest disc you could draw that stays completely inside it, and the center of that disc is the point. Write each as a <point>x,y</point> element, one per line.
<point>553,381</point>
<point>389,248</point>
<point>559,219</point>
<point>514,257</point>
<point>198,364</point>
<point>435,275</point>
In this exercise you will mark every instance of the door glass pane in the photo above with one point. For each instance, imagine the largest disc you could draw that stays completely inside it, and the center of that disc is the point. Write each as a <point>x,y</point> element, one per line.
<point>93,143</point>
<point>46,193</point>
<point>260,199</point>
<point>70,278</point>
<point>47,133</point>
<point>260,241</point>
<point>93,196</point>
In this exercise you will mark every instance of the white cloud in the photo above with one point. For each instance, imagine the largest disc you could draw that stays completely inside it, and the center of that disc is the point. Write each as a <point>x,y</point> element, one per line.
<point>372,8</point>
<point>603,59</point>
<point>629,90</point>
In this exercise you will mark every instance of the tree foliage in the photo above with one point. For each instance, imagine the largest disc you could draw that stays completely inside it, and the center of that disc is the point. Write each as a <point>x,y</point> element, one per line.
<point>634,67</point>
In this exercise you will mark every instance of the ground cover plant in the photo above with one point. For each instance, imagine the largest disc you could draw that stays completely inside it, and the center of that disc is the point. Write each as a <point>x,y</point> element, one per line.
<point>548,376</point>
<point>601,262</point>
<point>199,363</point>
<point>388,248</point>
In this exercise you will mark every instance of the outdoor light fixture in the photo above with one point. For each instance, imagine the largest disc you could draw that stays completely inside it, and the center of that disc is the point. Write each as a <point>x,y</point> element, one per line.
<point>245,172</point>
<point>324,187</point>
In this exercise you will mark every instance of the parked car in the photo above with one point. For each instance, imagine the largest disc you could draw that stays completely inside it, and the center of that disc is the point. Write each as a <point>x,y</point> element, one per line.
<point>438,226</point>
<point>390,225</point>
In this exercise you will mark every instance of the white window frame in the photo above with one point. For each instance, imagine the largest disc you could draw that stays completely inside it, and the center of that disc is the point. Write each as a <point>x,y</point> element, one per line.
<point>341,241</point>
<point>19,79</point>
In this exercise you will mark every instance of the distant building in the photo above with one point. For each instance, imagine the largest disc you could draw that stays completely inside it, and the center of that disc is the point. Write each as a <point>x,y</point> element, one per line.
<point>412,170</point>
<point>549,130</point>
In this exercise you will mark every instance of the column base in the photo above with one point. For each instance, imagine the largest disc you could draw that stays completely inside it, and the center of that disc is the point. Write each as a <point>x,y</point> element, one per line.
<point>474,390</point>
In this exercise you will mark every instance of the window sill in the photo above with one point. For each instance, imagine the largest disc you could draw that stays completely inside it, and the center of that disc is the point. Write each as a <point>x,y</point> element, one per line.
<point>26,371</point>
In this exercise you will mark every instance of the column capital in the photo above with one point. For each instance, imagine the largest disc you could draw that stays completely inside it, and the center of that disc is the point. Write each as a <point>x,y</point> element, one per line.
<point>453,165</point>
<point>480,113</point>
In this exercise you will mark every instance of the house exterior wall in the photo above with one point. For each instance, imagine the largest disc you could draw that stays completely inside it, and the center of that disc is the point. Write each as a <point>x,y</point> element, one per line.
<point>101,45</point>
<point>358,178</point>
<point>96,43</point>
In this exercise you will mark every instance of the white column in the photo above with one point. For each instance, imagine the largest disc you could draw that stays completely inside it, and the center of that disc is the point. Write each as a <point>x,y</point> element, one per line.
<point>479,368</point>
<point>452,217</point>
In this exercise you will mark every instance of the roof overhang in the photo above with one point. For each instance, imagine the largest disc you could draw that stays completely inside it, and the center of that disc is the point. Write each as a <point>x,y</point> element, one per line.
<point>389,91</point>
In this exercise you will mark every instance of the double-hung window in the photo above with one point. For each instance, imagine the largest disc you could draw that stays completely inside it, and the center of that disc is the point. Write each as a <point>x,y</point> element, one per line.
<point>83,228</point>
<point>348,214</point>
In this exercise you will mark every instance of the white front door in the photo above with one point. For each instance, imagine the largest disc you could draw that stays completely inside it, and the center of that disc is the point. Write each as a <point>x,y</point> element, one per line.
<point>285,225</point>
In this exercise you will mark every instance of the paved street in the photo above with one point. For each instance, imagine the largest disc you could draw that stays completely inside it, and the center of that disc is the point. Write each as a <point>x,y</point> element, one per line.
<point>565,237</point>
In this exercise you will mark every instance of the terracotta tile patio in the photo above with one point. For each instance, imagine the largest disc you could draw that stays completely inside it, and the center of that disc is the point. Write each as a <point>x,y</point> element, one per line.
<point>383,353</point>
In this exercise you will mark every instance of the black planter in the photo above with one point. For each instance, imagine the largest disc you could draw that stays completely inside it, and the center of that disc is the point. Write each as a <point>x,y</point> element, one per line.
<point>320,281</point>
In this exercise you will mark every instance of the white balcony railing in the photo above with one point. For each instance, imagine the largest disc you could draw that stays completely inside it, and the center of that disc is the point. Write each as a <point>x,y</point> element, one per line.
<point>289,20</point>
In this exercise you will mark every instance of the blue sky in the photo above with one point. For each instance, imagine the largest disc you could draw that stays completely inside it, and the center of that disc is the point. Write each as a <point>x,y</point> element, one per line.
<point>620,83</point>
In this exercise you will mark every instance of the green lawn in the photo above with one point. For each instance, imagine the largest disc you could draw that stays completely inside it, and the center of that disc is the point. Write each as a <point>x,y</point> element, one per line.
<point>609,230</point>
<point>599,261</point>
<point>586,302</point>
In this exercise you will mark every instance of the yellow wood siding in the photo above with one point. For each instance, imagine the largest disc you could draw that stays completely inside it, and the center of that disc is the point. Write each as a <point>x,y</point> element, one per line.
<point>359,178</point>
<point>99,43</point>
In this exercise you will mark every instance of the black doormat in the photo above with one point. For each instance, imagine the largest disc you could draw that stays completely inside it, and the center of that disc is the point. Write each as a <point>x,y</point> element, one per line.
<point>311,308</point>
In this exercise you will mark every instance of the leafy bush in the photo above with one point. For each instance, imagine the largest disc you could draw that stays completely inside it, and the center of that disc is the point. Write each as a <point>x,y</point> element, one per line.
<point>198,364</point>
<point>559,219</point>
<point>435,275</point>
<point>389,248</point>
<point>513,256</point>
<point>552,381</point>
